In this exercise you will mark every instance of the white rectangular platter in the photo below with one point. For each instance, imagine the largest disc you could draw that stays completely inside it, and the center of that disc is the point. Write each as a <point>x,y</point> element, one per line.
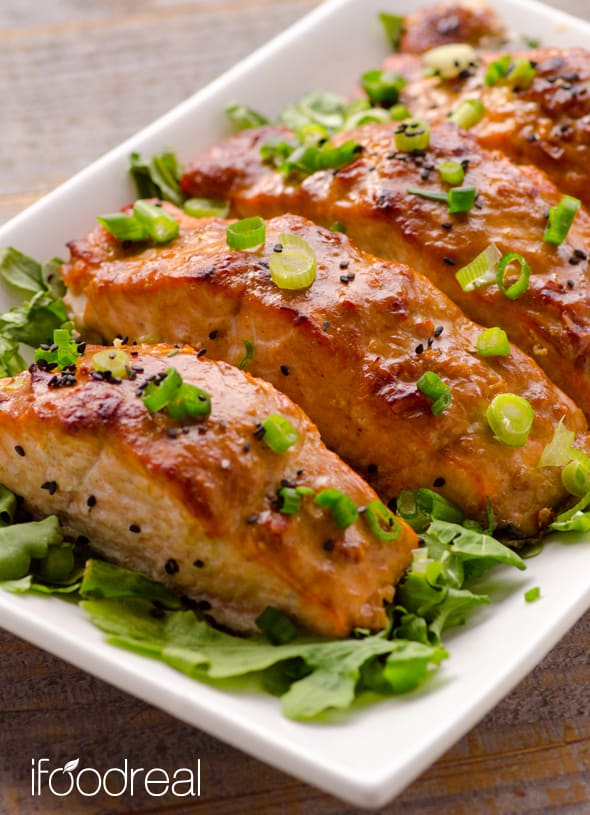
<point>366,757</point>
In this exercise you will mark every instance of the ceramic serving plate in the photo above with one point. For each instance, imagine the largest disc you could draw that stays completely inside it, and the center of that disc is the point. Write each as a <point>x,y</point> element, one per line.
<point>369,755</point>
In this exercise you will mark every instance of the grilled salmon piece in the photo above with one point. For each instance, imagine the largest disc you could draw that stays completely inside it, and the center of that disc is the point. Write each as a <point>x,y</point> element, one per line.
<point>196,506</point>
<point>350,350</point>
<point>444,23</point>
<point>550,321</point>
<point>547,124</point>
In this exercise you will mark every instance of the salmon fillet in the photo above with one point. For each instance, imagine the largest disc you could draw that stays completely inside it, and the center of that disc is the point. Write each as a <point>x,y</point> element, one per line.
<point>350,350</point>
<point>195,506</point>
<point>444,23</point>
<point>547,124</point>
<point>550,321</point>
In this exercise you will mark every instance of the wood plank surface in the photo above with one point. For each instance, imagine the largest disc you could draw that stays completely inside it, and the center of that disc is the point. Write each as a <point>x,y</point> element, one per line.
<point>75,79</point>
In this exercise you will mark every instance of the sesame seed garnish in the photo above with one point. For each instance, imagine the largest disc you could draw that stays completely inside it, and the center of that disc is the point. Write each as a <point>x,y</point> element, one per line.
<point>344,264</point>
<point>580,254</point>
<point>439,330</point>
<point>574,261</point>
<point>213,334</point>
<point>50,486</point>
<point>259,432</point>
<point>447,225</point>
<point>19,450</point>
<point>344,278</point>
<point>278,247</point>
<point>246,447</point>
<point>570,284</point>
<point>326,325</point>
<point>135,528</point>
<point>328,545</point>
<point>252,519</point>
<point>372,469</point>
<point>449,261</point>
<point>91,501</point>
<point>171,566</point>
<point>201,352</point>
<point>198,563</point>
<point>439,482</point>
<point>173,432</point>
<point>285,370</point>
<point>419,348</point>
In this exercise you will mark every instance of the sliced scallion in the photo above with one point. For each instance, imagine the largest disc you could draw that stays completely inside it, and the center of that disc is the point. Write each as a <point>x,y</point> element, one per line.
<point>381,521</point>
<point>342,507</point>
<point>161,226</point>
<point>468,113</point>
<point>62,352</point>
<point>399,112</point>
<point>247,356</point>
<point>575,476</point>
<point>246,234</point>
<point>180,400</point>
<point>124,227</point>
<point>279,433</point>
<point>394,28</point>
<point>461,199</point>
<point>481,271</point>
<point>206,208</point>
<point>382,87</point>
<point>493,342</point>
<point>521,284</point>
<point>449,61</point>
<point>510,418</point>
<point>497,70</point>
<point>561,218</point>
<point>290,501</point>
<point>451,172</point>
<point>429,195</point>
<point>560,449</point>
<point>431,385</point>
<point>295,267</point>
<point>113,360</point>
<point>521,74</point>
<point>159,392</point>
<point>413,134</point>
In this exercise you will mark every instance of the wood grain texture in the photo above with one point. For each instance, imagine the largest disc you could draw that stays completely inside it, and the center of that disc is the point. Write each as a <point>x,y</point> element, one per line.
<point>65,69</point>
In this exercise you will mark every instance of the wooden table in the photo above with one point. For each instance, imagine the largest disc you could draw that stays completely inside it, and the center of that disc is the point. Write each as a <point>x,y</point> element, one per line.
<point>75,79</point>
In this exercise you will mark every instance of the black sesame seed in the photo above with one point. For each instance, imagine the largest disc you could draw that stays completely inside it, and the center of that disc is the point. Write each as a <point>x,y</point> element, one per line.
<point>326,325</point>
<point>199,563</point>
<point>439,482</point>
<point>344,264</point>
<point>278,247</point>
<point>579,254</point>
<point>531,137</point>
<point>570,284</point>
<point>171,566</point>
<point>173,432</point>
<point>246,447</point>
<point>50,486</point>
<point>439,330</point>
<point>372,469</point>
<point>201,352</point>
<point>344,278</point>
<point>285,370</point>
<point>252,519</point>
<point>91,501</point>
<point>574,261</point>
<point>449,261</point>
<point>213,334</point>
<point>419,348</point>
<point>135,528</point>
<point>447,225</point>
<point>328,545</point>
<point>19,450</point>
<point>259,432</point>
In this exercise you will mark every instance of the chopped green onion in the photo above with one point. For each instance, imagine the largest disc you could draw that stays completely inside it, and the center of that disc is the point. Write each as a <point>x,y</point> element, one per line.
<point>243,117</point>
<point>394,28</point>
<point>412,135</point>
<point>519,286</point>
<point>279,433</point>
<point>304,490</point>
<point>560,449</point>
<point>448,61</point>
<point>342,507</point>
<point>321,107</point>
<point>180,400</point>
<point>521,74</point>
<point>124,227</point>
<point>248,355</point>
<point>290,501</point>
<point>510,418</point>
<point>461,199</point>
<point>468,113</point>
<point>276,625</point>
<point>366,116</point>
<point>381,520</point>
<point>497,70</point>
<point>63,351</point>
<point>493,342</point>
<point>431,385</point>
<point>113,360</point>
<point>309,159</point>
<point>161,226</point>
<point>246,234</point>
<point>157,178</point>
<point>429,195</point>
<point>399,112</point>
<point>382,87</point>
<point>481,271</point>
<point>295,267</point>
<point>561,218</point>
<point>206,208</point>
<point>312,133</point>
<point>532,594</point>
<point>451,172</point>
<point>575,476</point>
<point>337,226</point>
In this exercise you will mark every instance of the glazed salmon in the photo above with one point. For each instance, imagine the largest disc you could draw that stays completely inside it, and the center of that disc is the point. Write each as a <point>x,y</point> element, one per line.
<point>444,23</point>
<point>550,321</point>
<point>196,505</point>
<point>350,350</point>
<point>546,124</point>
